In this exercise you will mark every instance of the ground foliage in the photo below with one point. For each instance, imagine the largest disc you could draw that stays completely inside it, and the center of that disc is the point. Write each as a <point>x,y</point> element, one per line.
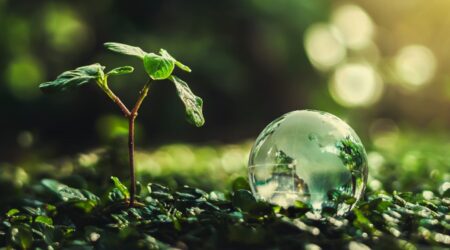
<point>55,215</point>
<point>73,203</point>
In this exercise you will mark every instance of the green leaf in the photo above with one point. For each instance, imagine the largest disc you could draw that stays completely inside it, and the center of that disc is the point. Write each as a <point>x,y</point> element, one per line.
<point>125,49</point>
<point>115,195</point>
<point>82,198</point>
<point>240,183</point>
<point>64,192</point>
<point>12,212</point>
<point>22,236</point>
<point>44,220</point>
<point>164,53</point>
<point>120,71</point>
<point>244,199</point>
<point>158,67</point>
<point>193,103</point>
<point>47,232</point>
<point>122,188</point>
<point>74,78</point>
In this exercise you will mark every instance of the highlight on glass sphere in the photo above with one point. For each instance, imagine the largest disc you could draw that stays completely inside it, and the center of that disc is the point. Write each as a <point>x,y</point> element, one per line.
<point>312,157</point>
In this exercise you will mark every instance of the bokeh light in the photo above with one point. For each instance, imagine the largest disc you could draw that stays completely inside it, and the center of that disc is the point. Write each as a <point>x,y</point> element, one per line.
<point>25,139</point>
<point>376,162</point>
<point>356,85</point>
<point>324,46</point>
<point>88,159</point>
<point>111,127</point>
<point>65,29</point>
<point>227,161</point>
<point>17,34</point>
<point>355,25</point>
<point>23,75</point>
<point>444,187</point>
<point>384,133</point>
<point>415,65</point>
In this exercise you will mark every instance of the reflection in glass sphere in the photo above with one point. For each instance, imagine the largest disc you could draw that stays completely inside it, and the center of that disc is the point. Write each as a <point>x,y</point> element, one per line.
<point>309,156</point>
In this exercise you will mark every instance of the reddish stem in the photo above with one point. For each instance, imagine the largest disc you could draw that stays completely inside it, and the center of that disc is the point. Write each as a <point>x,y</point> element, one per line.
<point>131,118</point>
<point>131,158</point>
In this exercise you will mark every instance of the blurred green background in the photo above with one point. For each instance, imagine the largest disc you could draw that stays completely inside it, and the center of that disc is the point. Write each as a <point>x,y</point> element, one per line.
<point>382,69</point>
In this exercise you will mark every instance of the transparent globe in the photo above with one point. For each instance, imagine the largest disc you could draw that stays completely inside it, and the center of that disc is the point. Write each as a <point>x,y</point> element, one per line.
<point>309,156</point>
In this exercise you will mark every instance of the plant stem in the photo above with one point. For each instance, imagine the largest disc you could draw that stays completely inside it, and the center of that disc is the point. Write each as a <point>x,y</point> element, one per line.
<point>131,159</point>
<point>142,94</point>
<point>131,118</point>
<point>122,106</point>
<point>115,99</point>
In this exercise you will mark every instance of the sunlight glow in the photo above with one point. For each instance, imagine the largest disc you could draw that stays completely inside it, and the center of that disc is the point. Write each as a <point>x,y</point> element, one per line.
<point>324,46</point>
<point>415,65</point>
<point>355,85</point>
<point>355,25</point>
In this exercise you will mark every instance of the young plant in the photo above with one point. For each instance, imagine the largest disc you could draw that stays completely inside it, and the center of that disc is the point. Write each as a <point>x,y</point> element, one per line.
<point>158,67</point>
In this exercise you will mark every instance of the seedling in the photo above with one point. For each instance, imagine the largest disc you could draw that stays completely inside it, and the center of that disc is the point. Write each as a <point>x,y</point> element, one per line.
<point>158,67</point>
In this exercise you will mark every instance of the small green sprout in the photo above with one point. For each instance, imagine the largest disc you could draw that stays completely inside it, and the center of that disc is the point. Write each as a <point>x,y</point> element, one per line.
<point>158,67</point>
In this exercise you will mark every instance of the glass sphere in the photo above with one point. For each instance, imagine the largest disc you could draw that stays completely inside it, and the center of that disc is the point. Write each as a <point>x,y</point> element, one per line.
<point>309,156</point>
